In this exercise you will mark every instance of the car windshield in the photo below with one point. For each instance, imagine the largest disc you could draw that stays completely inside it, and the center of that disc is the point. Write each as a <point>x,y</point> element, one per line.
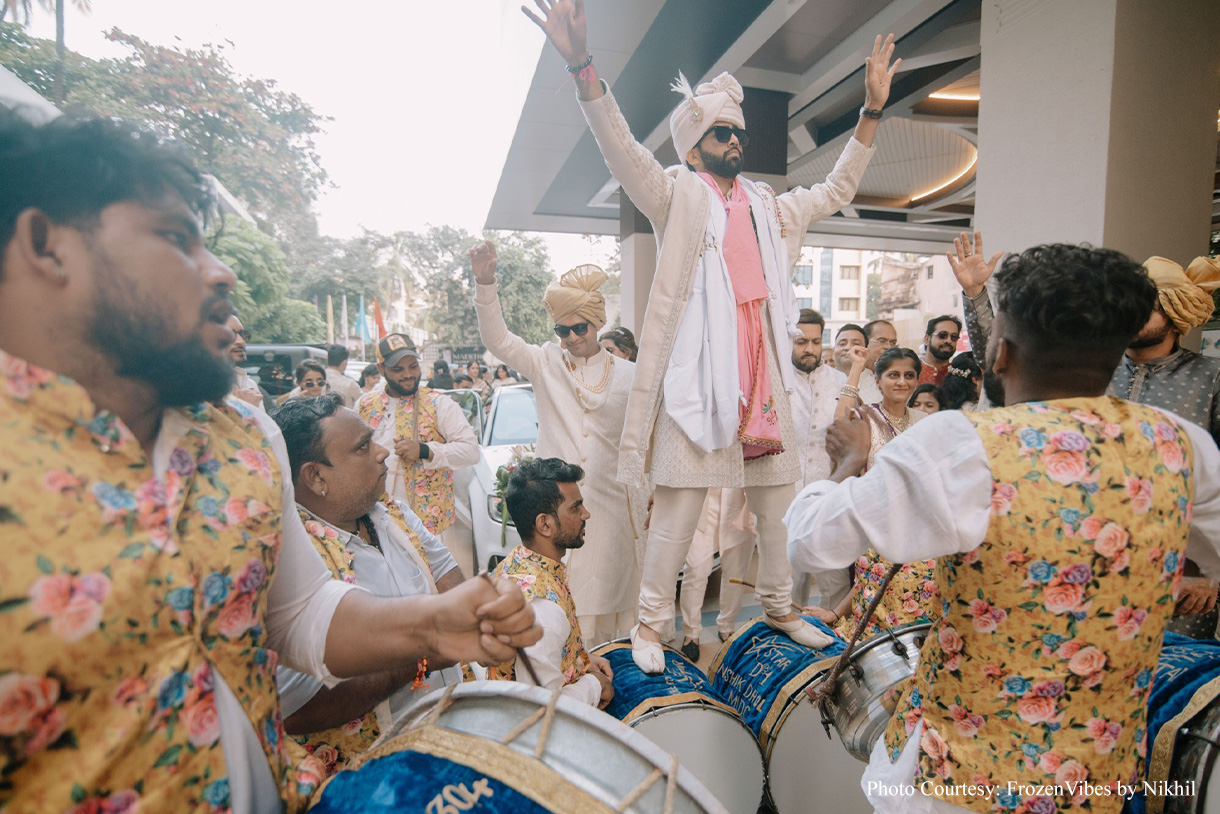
<point>515,419</point>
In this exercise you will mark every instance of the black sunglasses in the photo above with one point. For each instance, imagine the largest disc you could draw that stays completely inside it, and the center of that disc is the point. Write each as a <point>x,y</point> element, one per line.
<point>580,329</point>
<point>244,335</point>
<point>723,133</point>
<point>946,335</point>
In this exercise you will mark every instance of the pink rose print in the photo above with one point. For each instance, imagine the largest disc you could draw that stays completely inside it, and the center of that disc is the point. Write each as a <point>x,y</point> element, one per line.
<point>130,691</point>
<point>78,620</point>
<point>1065,466</point>
<point>1112,430</point>
<point>73,604</point>
<point>1139,490</point>
<point>21,378</point>
<point>966,723</point>
<point>202,721</point>
<point>1036,709</point>
<point>48,730</point>
<point>235,510</point>
<point>1050,762</point>
<point>61,481</point>
<point>934,745</point>
<point>352,727</point>
<point>1171,456</point>
<point>1062,598</point>
<point>328,756</point>
<point>122,802</point>
<point>949,640</point>
<point>258,462</point>
<point>50,596</point>
<point>1091,527</point>
<point>1087,662</point>
<point>24,700</point>
<point>1071,772</point>
<point>1164,432</point>
<point>237,616</point>
<point>1085,418</point>
<point>1128,621</point>
<point>1111,540</point>
<point>1014,558</point>
<point>1002,495</point>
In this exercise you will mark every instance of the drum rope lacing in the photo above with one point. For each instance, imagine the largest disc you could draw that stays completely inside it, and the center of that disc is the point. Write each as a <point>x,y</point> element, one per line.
<point>821,694</point>
<point>671,786</point>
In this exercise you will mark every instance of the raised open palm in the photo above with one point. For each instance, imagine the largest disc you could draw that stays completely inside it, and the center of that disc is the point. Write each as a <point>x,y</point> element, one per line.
<point>969,267</point>
<point>564,24</point>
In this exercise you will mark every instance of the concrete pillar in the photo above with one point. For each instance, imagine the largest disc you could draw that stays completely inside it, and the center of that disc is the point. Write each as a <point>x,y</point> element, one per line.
<point>637,264</point>
<point>1097,123</point>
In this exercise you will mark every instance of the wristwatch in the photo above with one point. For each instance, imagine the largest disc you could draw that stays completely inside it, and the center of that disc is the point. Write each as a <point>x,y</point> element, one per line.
<point>869,113</point>
<point>424,453</point>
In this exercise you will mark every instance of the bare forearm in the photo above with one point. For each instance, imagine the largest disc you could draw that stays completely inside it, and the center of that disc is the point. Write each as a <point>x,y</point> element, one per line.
<point>371,634</point>
<point>331,708</point>
<point>451,579</point>
<point>866,130</point>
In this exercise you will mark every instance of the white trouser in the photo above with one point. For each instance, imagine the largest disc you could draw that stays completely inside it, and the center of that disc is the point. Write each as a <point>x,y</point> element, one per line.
<point>675,516</point>
<point>728,527</point>
<point>595,630</point>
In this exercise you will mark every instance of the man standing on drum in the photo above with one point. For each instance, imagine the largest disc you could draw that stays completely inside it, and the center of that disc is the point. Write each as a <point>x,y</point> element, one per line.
<point>582,396</point>
<point>1061,522</point>
<point>545,503</point>
<point>709,403</point>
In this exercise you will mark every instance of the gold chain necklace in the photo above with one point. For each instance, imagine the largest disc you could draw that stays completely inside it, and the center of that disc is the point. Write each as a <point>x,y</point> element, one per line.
<point>899,424</point>
<point>596,388</point>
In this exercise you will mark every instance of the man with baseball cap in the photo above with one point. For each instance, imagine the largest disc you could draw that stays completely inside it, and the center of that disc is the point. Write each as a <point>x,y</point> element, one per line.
<point>709,402</point>
<point>426,433</point>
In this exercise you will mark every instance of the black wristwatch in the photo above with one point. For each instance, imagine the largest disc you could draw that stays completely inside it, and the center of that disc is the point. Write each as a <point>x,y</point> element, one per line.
<point>869,113</point>
<point>425,454</point>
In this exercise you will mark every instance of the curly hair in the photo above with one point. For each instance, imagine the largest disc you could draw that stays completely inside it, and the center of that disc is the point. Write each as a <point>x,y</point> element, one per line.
<point>1067,300</point>
<point>959,386</point>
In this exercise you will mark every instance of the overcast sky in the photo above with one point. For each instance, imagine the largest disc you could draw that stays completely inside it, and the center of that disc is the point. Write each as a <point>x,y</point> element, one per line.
<point>424,96</point>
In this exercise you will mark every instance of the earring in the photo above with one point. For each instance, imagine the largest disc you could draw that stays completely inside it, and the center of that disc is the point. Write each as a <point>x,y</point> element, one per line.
<point>323,491</point>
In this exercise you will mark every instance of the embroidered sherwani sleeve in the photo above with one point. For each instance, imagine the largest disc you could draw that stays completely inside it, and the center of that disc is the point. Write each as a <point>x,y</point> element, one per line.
<point>632,164</point>
<point>811,204</point>
<point>506,345</point>
<point>547,656</point>
<point>927,495</point>
<point>979,316</point>
<point>461,448</point>
<point>303,596</point>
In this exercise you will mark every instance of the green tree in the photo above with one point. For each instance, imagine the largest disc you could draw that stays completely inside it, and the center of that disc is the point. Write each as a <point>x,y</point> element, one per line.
<point>872,307</point>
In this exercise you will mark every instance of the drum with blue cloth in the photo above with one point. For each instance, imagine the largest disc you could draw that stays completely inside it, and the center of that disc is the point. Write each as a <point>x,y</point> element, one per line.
<point>678,711</point>
<point>1183,729</point>
<point>763,674</point>
<point>501,747</point>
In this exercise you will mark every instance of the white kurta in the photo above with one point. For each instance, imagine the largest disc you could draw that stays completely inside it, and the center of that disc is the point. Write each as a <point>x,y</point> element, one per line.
<point>813,411</point>
<point>581,427</point>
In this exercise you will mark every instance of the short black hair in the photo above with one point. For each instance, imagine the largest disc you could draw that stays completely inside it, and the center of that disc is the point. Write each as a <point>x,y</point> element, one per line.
<point>851,326</point>
<point>928,387</point>
<point>533,489</point>
<point>308,365</point>
<point>893,355</point>
<point>462,377</point>
<point>811,317</point>
<point>72,169</point>
<point>932,323</point>
<point>1064,301</point>
<point>300,420</point>
<point>869,326</point>
<point>371,371</point>
<point>336,355</point>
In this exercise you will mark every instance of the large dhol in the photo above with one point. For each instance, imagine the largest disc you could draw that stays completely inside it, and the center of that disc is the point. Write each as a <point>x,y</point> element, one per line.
<point>678,711</point>
<point>500,747</point>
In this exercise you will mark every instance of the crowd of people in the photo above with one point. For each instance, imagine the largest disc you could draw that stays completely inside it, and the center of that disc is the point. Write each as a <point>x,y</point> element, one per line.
<point>211,602</point>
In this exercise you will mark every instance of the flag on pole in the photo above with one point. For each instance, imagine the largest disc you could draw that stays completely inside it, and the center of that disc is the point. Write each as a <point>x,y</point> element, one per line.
<point>381,331</point>
<point>330,320</point>
<point>344,321</point>
<point>362,325</point>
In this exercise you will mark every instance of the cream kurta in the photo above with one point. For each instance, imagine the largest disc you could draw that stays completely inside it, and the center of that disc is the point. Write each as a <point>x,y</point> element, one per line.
<point>583,429</point>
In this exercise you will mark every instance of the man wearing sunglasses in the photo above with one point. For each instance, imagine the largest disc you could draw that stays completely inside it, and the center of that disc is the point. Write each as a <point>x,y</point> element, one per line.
<point>940,343</point>
<point>581,391</point>
<point>709,404</point>
<point>244,387</point>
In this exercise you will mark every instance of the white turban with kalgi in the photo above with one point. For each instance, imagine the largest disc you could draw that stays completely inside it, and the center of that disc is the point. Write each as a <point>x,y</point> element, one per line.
<point>716,101</point>
<point>576,294</point>
<point>1185,294</point>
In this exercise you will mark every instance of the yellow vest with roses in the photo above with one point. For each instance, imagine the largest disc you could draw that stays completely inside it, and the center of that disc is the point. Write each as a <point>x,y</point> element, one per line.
<point>1039,670</point>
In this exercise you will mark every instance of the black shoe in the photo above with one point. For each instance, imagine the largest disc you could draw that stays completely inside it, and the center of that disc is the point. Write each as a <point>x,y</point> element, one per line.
<point>691,650</point>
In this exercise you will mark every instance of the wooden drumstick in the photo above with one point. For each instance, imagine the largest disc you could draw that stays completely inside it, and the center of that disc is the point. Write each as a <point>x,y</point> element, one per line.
<point>525,659</point>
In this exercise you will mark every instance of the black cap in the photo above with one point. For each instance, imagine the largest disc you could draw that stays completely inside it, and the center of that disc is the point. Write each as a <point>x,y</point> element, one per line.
<point>395,346</point>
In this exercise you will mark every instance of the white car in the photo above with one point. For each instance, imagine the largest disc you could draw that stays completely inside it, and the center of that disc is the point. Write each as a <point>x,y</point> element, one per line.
<point>512,420</point>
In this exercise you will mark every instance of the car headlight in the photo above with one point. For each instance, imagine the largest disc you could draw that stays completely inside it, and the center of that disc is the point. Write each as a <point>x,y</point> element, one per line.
<point>495,510</point>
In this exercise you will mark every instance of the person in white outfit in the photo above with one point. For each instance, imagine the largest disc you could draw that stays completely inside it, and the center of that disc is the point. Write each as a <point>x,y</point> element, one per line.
<point>709,404</point>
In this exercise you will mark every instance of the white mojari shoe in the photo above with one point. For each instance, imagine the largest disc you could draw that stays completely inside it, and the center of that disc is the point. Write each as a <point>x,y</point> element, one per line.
<point>799,631</point>
<point>648,656</point>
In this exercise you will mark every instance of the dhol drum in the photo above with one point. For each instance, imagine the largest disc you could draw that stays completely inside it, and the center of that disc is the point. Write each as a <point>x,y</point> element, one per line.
<point>497,747</point>
<point>678,711</point>
<point>1183,730</point>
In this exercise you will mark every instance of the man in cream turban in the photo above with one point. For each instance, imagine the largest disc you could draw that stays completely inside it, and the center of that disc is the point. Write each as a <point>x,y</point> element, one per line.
<point>709,405</point>
<point>581,392</point>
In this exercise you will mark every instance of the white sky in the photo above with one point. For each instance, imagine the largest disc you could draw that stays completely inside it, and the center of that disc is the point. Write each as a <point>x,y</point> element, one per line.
<point>424,96</point>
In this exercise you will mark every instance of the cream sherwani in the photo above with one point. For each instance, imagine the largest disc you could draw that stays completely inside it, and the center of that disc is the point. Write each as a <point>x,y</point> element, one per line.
<point>582,427</point>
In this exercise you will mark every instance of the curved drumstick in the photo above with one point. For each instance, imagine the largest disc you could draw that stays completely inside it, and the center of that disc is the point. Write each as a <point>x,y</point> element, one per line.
<point>525,659</point>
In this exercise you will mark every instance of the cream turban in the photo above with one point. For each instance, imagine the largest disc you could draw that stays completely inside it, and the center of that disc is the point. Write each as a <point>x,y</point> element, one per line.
<point>576,294</point>
<point>1185,296</point>
<point>715,101</point>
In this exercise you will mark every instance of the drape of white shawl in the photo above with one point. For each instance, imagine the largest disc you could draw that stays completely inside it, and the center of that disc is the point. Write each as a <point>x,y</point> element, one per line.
<point>702,384</point>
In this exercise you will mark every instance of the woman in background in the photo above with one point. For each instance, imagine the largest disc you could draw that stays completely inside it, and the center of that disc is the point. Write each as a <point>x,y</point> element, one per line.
<point>620,342</point>
<point>962,383</point>
<point>927,398</point>
<point>311,381</point>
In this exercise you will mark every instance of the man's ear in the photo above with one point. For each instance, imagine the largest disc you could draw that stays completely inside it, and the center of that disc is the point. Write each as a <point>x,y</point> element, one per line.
<point>312,479</point>
<point>545,525</point>
<point>693,160</point>
<point>41,245</point>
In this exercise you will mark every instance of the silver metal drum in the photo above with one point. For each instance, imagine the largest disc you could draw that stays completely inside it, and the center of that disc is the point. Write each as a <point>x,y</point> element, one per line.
<point>1194,761</point>
<point>865,698</point>
<point>483,740</point>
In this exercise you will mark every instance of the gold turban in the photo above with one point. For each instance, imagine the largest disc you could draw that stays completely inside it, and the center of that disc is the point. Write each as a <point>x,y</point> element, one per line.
<point>1185,295</point>
<point>576,294</point>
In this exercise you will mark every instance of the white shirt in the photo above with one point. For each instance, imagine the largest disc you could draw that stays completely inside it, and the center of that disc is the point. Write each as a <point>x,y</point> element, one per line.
<point>813,411</point>
<point>300,604</point>
<point>460,448</point>
<point>929,495</point>
<point>243,381</point>
<point>394,570</point>
<point>547,656</point>
<point>347,389</point>
<point>870,393</point>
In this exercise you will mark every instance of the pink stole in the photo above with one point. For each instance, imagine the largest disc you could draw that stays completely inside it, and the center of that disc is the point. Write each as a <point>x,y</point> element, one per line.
<point>758,427</point>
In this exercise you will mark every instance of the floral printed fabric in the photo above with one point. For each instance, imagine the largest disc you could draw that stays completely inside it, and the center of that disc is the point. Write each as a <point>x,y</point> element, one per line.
<point>1040,669</point>
<point>122,596</point>
<point>912,596</point>
<point>542,578</point>
<point>430,491</point>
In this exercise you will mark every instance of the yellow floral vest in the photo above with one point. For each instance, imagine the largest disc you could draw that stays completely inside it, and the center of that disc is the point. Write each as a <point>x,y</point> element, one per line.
<point>1039,671</point>
<point>335,748</point>
<point>912,595</point>
<point>122,597</point>
<point>429,491</point>
<point>544,578</point>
